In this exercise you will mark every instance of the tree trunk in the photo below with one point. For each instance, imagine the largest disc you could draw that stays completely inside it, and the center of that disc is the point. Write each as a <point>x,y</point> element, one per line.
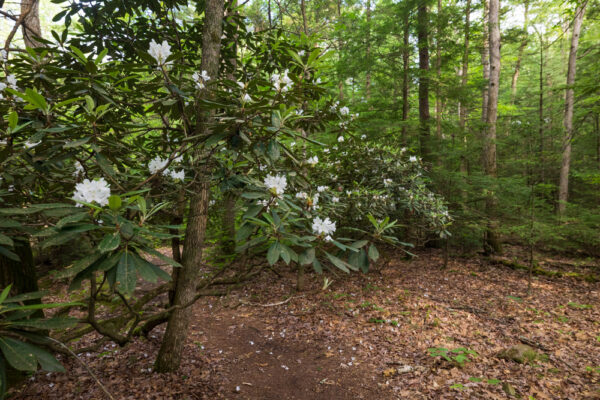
<point>423,43</point>
<point>563,185</point>
<point>462,117</point>
<point>169,355</point>
<point>368,52</point>
<point>303,11</point>
<point>492,242</point>
<point>229,200</point>
<point>31,24</point>
<point>405,76</point>
<point>541,110</point>
<point>438,72</point>
<point>485,61</point>
<point>515,77</point>
<point>21,274</point>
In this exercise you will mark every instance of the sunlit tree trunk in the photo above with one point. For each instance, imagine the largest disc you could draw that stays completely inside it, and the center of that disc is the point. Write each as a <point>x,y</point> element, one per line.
<point>405,76</point>
<point>492,241</point>
<point>424,116</point>
<point>463,111</point>
<point>485,60</point>
<point>563,185</point>
<point>515,77</point>
<point>31,24</point>
<point>169,355</point>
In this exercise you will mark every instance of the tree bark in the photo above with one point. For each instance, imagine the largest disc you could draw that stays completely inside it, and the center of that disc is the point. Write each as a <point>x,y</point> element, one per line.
<point>31,24</point>
<point>405,76</point>
<point>515,77</point>
<point>303,11</point>
<point>21,274</point>
<point>462,115</point>
<point>438,73</point>
<point>492,243</point>
<point>563,185</point>
<point>424,117</point>
<point>541,110</point>
<point>485,61</point>
<point>169,355</point>
<point>368,51</point>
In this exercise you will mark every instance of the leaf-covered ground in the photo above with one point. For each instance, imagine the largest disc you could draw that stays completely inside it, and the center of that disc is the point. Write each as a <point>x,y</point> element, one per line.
<point>366,337</point>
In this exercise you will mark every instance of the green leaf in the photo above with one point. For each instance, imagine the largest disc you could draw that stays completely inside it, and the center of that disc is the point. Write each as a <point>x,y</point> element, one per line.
<point>317,266</point>
<point>273,253</point>
<point>13,120</point>
<point>47,360</point>
<point>126,273</point>
<point>79,265</point>
<point>18,354</point>
<point>76,143</point>
<point>9,254</point>
<point>36,99</point>
<point>307,256</point>
<point>5,293</point>
<point>71,218</point>
<point>114,202</point>
<point>46,324</point>
<point>110,242</point>
<point>373,253</point>
<point>338,263</point>
<point>161,256</point>
<point>24,297</point>
<point>359,243</point>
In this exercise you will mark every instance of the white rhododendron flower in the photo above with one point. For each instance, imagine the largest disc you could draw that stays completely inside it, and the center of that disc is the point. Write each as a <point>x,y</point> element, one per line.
<point>97,191</point>
<point>363,137</point>
<point>301,53</point>
<point>313,161</point>
<point>156,165</point>
<point>179,175</point>
<point>413,159</point>
<point>246,98</point>
<point>335,199</point>
<point>281,82</point>
<point>160,52</point>
<point>321,189</point>
<point>323,227</point>
<point>340,139</point>
<point>276,184</point>
<point>302,195</point>
<point>344,110</point>
<point>78,169</point>
<point>200,79</point>
<point>387,182</point>
<point>12,82</point>
<point>29,144</point>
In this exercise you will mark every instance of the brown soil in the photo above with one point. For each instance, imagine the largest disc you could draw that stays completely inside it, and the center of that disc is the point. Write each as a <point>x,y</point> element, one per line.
<point>365,337</point>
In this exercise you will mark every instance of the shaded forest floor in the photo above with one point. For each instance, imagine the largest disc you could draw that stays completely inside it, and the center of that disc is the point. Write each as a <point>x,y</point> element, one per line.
<point>367,337</point>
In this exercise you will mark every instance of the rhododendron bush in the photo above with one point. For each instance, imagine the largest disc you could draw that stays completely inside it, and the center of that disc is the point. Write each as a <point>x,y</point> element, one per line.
<point>103,143</point>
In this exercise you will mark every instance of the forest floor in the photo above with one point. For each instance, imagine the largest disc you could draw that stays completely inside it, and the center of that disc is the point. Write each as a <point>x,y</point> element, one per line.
<point>368,337</point>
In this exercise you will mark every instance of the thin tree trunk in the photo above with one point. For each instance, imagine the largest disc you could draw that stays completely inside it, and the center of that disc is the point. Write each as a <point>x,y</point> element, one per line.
<point>31,24</point>
<point>438,72</point>
<point>492,242</point>
<point>563,185</point>
<point>485,60</point>
<point>405,76</point>
<point>269,12</point>
<point>515,77</point>
<point>462,118</point>
<point>541,110</point>
<point>424,117</point>
<point>230,200</point>
<point>169,355</point>
<point>21,274</point>
<point>303,11</point>
<point>368,51</point>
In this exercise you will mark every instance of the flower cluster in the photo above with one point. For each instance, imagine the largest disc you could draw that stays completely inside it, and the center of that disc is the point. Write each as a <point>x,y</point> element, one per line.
<point>312,161</point>
<point>92,191</point>
<point>323,227</point>
<point>281,82</point>
<point>276,184</point>
<point>200,79</point>
<point>160,52</point>
<point>78,169</point>
<point>157,163</point>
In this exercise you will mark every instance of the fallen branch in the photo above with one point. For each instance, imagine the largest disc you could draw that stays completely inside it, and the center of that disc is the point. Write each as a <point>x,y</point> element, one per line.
<point>279,303</point>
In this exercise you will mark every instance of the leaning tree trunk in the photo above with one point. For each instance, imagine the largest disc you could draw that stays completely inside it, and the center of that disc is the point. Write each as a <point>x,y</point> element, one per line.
<point>169,355</point>
<point>31,23</point>
<point>492,242</point>
<point>438,73</point>
<point>368,52</point>
<point>424,117</point>
<point>563,185</point>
